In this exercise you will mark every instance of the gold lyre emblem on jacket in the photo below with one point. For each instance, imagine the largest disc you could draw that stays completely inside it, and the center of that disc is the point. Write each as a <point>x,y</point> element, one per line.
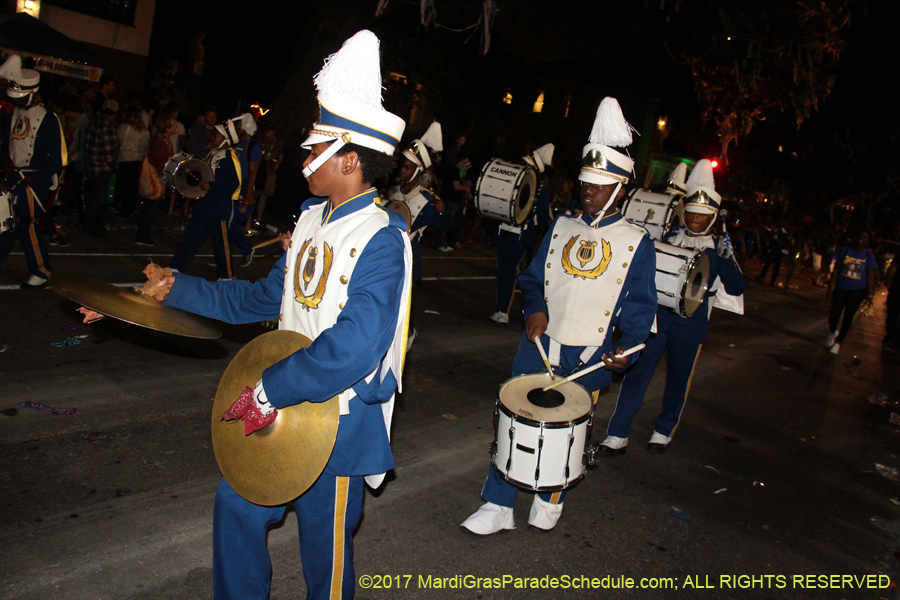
<point>585,255</point>
<point>306,270</point>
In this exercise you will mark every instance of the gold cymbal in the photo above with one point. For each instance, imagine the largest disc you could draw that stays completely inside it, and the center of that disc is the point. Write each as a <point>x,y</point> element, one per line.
<point>130,306</point>
<point>276,464</point>
<point>401,209</point>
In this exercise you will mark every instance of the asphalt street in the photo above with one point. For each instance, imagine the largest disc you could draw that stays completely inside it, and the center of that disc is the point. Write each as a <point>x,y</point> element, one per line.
<point>782,467</point>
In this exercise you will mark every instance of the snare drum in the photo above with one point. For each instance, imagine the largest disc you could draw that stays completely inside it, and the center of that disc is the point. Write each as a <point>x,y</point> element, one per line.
<point>682,278</point>
<point>651,211</point>
<point>541,436</point>
<point>184,173</point>
<point>7,212</point>
<point>505,191</point>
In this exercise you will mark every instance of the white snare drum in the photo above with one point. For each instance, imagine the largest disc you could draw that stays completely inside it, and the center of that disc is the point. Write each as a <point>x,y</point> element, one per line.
<point>541,436</point>
<point>505,191</point>
<point>649,210</point>
<point>184,173</point>
<point>682,278</point>
<point>7,214</point>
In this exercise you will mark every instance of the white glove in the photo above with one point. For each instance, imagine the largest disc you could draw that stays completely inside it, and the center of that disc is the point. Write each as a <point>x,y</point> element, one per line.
<point>725,248</point>
<point>262,403</point>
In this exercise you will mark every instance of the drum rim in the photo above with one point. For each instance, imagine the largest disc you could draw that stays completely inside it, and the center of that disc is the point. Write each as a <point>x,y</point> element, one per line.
<point>530,421</point>
<point>545,424</point>
<point>540,488</point>
<point>682,309</point>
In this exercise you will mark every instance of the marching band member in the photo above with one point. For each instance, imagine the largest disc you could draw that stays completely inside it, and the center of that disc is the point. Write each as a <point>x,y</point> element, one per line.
<point>344,282</point>
<point>682,337</point>
<point>513,242</point>
<point>593,273</point>
<point>214,210</point>
<point>32,155</point>
<point>425,207</point>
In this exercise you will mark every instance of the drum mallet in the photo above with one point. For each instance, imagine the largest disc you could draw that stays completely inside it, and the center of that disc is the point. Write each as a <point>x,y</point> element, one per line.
<point>544,358</point>
<point>274,240</point>
<point>593,368</point>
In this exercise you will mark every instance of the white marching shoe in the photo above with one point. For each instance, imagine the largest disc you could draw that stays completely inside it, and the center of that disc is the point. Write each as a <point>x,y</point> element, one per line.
<point>830,341</point>
<point>835,348</point>
<point>489,519</point>
<point>658,443</point>
<point>613,445</point>
<point>501,318</point>
<point>543,514</point>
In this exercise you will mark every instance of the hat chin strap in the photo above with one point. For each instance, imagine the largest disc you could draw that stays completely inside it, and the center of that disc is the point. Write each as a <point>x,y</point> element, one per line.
<point>609,202</point>
<point>705,231</point>
<point>336,145</point>
<point>414,175</point>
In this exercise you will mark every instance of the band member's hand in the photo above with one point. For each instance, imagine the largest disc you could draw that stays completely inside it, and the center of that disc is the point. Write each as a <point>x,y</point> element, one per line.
<point>90,315</point>
<point>8,167</point>
<point>536,325</point>
<point>254,408</point>
<point>439,205</point>
<point>285,240</point>
<point>28,181</point>
<point>164,286</point>
<point>616,363</point>
<point>248,200</point>
<point>204,185</point>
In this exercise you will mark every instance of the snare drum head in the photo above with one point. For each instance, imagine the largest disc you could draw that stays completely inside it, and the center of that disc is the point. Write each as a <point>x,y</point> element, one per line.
<point>525,193</point>
<point>569,402</point>
<point>185,173</point>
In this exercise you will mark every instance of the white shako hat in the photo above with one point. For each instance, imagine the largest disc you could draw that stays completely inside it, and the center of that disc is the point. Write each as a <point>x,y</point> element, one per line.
<point>676,180</point>
<point>701,190</point>
<point>541,158</point>
<point>419,150</point>
<point>350,102</point>
<point>21,82</point>
<point>601,164</point>
<point>228,129</point>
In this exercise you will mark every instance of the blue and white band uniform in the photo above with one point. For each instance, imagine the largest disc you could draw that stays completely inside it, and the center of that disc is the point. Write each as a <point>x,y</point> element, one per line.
<point>420,202</point>
<point>605,298</point>
<point>344,283</point>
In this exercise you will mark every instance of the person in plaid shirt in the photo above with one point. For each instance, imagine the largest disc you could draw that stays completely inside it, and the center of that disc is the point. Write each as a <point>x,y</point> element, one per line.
<point>101,151</point>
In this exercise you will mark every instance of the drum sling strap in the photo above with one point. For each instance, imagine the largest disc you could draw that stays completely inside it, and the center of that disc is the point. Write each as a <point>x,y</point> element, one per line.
<point>586,355</point>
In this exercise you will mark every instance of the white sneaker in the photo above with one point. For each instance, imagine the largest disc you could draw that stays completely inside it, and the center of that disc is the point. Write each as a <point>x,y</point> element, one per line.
<point>614,445</point>
<point>835,348</point>
<point>500,317</point>
<point>543,514</point>
<point>410,338</point>
<point>446,249</point>
<point>658,443</point>
<point>830,340</point>
<point>489,519</point>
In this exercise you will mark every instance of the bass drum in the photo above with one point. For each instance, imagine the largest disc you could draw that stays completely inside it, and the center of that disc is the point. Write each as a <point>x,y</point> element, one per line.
<point>540,437</point>
<point>505,191</point>
<point>651,211</point>
<point>184,173</point>
<point>682,278</point>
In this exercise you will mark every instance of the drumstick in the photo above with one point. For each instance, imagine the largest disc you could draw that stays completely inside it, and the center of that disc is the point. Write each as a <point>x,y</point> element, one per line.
<point>593,368</point>
<point>537,342</point>
<point>267,243</point>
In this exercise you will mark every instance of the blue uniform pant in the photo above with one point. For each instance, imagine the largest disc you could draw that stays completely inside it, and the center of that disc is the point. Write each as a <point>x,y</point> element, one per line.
<point>236,233</point>
<point>327,515</point>
<point>510,252</point>
<point>28,236</point>
<point>416,246</point>
<point>195,234</point>
<point>682,358</point>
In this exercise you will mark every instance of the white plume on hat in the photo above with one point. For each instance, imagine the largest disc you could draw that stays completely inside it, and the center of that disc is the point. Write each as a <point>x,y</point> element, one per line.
<point>11,70</point>
<point>676,179</point>
<point>542,157</point>
<point>248,123</point>
<point>610,127</point>
<point>354,71</point>
<point>701,178</point>
<point>433,137</point>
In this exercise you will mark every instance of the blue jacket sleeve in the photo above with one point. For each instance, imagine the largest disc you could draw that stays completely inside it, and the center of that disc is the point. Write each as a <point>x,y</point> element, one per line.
<point>637,308</point>
<point>531,281</point>
<point>344,354</point>
<point>430,217</point>
<point>236,301</point>
<point>730,273</point>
